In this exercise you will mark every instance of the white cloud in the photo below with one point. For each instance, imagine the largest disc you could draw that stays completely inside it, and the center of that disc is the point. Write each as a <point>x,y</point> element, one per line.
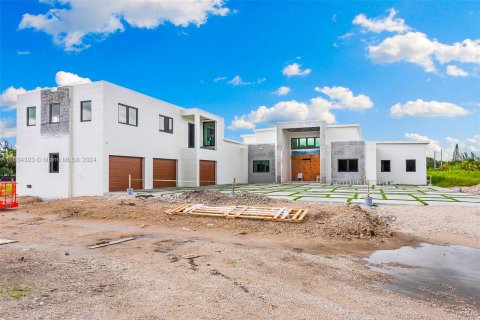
<point>8,98</point>
<point>455,71</point>
<point>422,108</point>
<point>343,98</point>
<point>467,51</point>
<point>471,144</point>
<point>23,52</point>
<point>63,78</point>
<point>237,81</point>
<point>217,79</point>
<point>7,131</point>
<point>295,69</point>
<point>377,25</point>
<point>318,108</point>
<point>73,22</point>
<point>282,91</point>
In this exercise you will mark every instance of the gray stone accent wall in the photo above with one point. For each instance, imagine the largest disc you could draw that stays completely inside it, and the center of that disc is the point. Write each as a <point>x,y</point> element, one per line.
<point>63,96</point>
<point>348,150</point>
<point>261,152</point>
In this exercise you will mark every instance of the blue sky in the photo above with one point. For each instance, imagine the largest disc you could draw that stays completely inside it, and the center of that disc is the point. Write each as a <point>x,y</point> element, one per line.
<point>403,70</point>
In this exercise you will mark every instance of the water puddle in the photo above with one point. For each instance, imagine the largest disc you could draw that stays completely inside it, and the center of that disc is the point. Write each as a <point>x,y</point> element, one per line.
<point>449,274</point>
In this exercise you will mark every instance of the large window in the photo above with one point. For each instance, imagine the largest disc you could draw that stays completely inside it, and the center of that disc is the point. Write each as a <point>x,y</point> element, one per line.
<point>191,135</point>
<point>261,166</point>
<point>347,165</point>
<point>53,162</point>
<point>54,113</point>
<point>411,165</point>
<point>305,143</point>
<point>166,124</point>
<point>127,115</point>
<point>31,116</point>
<point>385,165</point>
<point>209,134</point>
<point>85,111</point>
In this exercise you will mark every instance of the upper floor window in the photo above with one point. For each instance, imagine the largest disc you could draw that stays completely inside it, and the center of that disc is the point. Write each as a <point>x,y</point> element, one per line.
<point>166,124</point>
<point>347,165</point>
<point>127,115</point>
<point>305,143</point>
<point>209,134</point>
<point>54,114</point>
<point>31,116</point>
<point>261,165</point>
<point>191,135</point>
<point>53,162</point>
<point>86,111</point>
<point>385,165</point>
<point>411,165</point>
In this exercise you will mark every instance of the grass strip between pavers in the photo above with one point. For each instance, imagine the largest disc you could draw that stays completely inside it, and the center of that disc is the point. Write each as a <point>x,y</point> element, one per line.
<point>384,196</point>
<point>451,198</point>
<point>418,199</point>
<point>296,198</point>
<point>333,190</point>
<point>355,196</point>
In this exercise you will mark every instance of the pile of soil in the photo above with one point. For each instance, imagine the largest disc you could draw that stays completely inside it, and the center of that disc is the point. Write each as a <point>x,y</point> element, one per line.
<point>28,200</point>
<point>327,221</point>
<point>475,190</point>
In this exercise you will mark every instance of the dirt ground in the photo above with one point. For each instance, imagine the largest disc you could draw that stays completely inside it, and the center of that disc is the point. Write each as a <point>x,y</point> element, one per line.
<point>206,268</point>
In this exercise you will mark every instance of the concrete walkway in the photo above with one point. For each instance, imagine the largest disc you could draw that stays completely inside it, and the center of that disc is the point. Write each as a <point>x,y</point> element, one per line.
<point>315,192</point>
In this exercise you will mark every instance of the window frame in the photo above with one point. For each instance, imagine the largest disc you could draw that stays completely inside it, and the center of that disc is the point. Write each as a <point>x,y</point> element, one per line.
<point>191,135</point>
<point>127,115</point>
<point>28,116</point>
<point>296,143</point>
<point>81,111</point>
<point>264,163</point>
<point>165,121</point>
<point>382,168</point>
<point>414,165</point>
<point>50,113</point>
<point>214,134</point>
<point>50,162</point>
<point>347,165</point>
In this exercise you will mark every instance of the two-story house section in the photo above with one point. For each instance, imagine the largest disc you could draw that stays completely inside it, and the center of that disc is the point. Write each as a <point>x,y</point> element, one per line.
<point>94,138</point>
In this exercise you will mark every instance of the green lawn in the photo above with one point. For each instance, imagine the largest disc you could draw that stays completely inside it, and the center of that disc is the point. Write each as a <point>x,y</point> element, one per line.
<point>454,177</point>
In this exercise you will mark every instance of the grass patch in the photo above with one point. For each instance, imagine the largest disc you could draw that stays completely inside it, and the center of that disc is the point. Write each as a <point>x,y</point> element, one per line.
<point>454,177</point>
<point>296,198</point>
<point>15,291</point>
<point>451,198</point>
<point>418,199</point>
<point>384,196</point>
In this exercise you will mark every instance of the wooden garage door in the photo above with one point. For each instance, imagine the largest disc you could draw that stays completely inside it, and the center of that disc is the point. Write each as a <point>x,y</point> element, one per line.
<point>164,173</point>
<point>207,173</point>
<point>120,168</point>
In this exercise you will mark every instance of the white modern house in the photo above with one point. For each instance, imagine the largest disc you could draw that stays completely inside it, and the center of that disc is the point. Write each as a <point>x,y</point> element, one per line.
<point>94,138</point>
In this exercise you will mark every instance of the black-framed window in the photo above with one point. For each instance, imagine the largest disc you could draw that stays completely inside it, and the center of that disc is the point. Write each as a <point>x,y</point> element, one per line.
<point>261,165</point>
<point>127,115</point>
<point>305,143</point>
<point>411,165</point>
<point>166,124</point>
<point>347,165</point>
<point>53,162</point>
<point>54,113</point>
<point>209,134</point>
<point>191,135</point>
<point>86,111</point>
<point>385,165</point>
<point>31,116</point>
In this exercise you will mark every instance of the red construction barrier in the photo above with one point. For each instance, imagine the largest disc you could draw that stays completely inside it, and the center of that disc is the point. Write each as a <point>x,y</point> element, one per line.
<point>8,195</point>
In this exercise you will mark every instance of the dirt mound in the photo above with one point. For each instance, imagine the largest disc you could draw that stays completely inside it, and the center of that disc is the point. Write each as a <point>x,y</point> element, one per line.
<point>28,200</point>
<point>475,190</point>
<point>213,197</point>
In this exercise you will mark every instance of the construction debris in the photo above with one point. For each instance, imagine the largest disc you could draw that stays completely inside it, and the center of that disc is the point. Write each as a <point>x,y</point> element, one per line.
<point>109,243</point>
<point>246,212</point>
<point>6,241</point>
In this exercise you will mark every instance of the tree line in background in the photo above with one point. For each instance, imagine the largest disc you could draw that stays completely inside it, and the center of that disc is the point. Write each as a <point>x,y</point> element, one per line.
<point>8,155</point>
<point>462,172</point>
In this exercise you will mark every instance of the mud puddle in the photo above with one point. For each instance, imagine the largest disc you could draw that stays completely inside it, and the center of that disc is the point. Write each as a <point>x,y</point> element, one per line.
<point>449,274</point>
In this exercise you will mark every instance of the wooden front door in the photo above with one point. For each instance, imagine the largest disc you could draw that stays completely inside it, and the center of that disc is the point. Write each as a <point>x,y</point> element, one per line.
<point>120,168</point>
<point>307,164</point>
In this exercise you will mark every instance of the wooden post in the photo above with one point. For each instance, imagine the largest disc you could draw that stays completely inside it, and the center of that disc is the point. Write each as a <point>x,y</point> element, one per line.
<point>129,181</point>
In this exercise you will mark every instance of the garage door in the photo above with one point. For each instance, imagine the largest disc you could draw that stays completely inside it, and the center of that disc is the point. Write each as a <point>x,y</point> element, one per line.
<point>207,173</point>
<point>164,173</point>
<point>120,168</point>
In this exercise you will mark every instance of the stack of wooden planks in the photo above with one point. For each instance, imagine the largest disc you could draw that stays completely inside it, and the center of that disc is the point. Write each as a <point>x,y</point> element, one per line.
<point>245,212</point>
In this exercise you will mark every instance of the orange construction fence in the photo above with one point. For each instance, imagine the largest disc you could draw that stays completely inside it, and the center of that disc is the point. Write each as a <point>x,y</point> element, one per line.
<point>8,195</point>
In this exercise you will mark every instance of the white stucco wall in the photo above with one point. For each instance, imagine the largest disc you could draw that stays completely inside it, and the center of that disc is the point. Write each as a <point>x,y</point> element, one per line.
<point>343,133</point>
<point>261,136</point>
<point>398,153</point>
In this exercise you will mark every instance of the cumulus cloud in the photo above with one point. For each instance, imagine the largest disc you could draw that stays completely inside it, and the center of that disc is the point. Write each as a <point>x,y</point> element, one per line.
<point>74,23</point>
<point>377,25</point>
<point>282,91</point>
<point>295,69</point>
<point>471,144</point>
<point>7,130</point>
<point>343,98</point>
<point>237,81</point>
<point>455,71</point>
<point>422,108</point>
<point>63,78</point>
<point>318,108</point>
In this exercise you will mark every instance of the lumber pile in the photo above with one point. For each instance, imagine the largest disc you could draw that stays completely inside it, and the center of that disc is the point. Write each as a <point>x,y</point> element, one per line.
<point>241,212</point>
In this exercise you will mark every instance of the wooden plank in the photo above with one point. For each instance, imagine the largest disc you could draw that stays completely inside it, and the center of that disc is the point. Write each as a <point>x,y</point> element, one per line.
<point>111,242</point>
<point>295,216</point>
<point>7,241</point>
<point>175,210</point>
<point>303,215</point>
